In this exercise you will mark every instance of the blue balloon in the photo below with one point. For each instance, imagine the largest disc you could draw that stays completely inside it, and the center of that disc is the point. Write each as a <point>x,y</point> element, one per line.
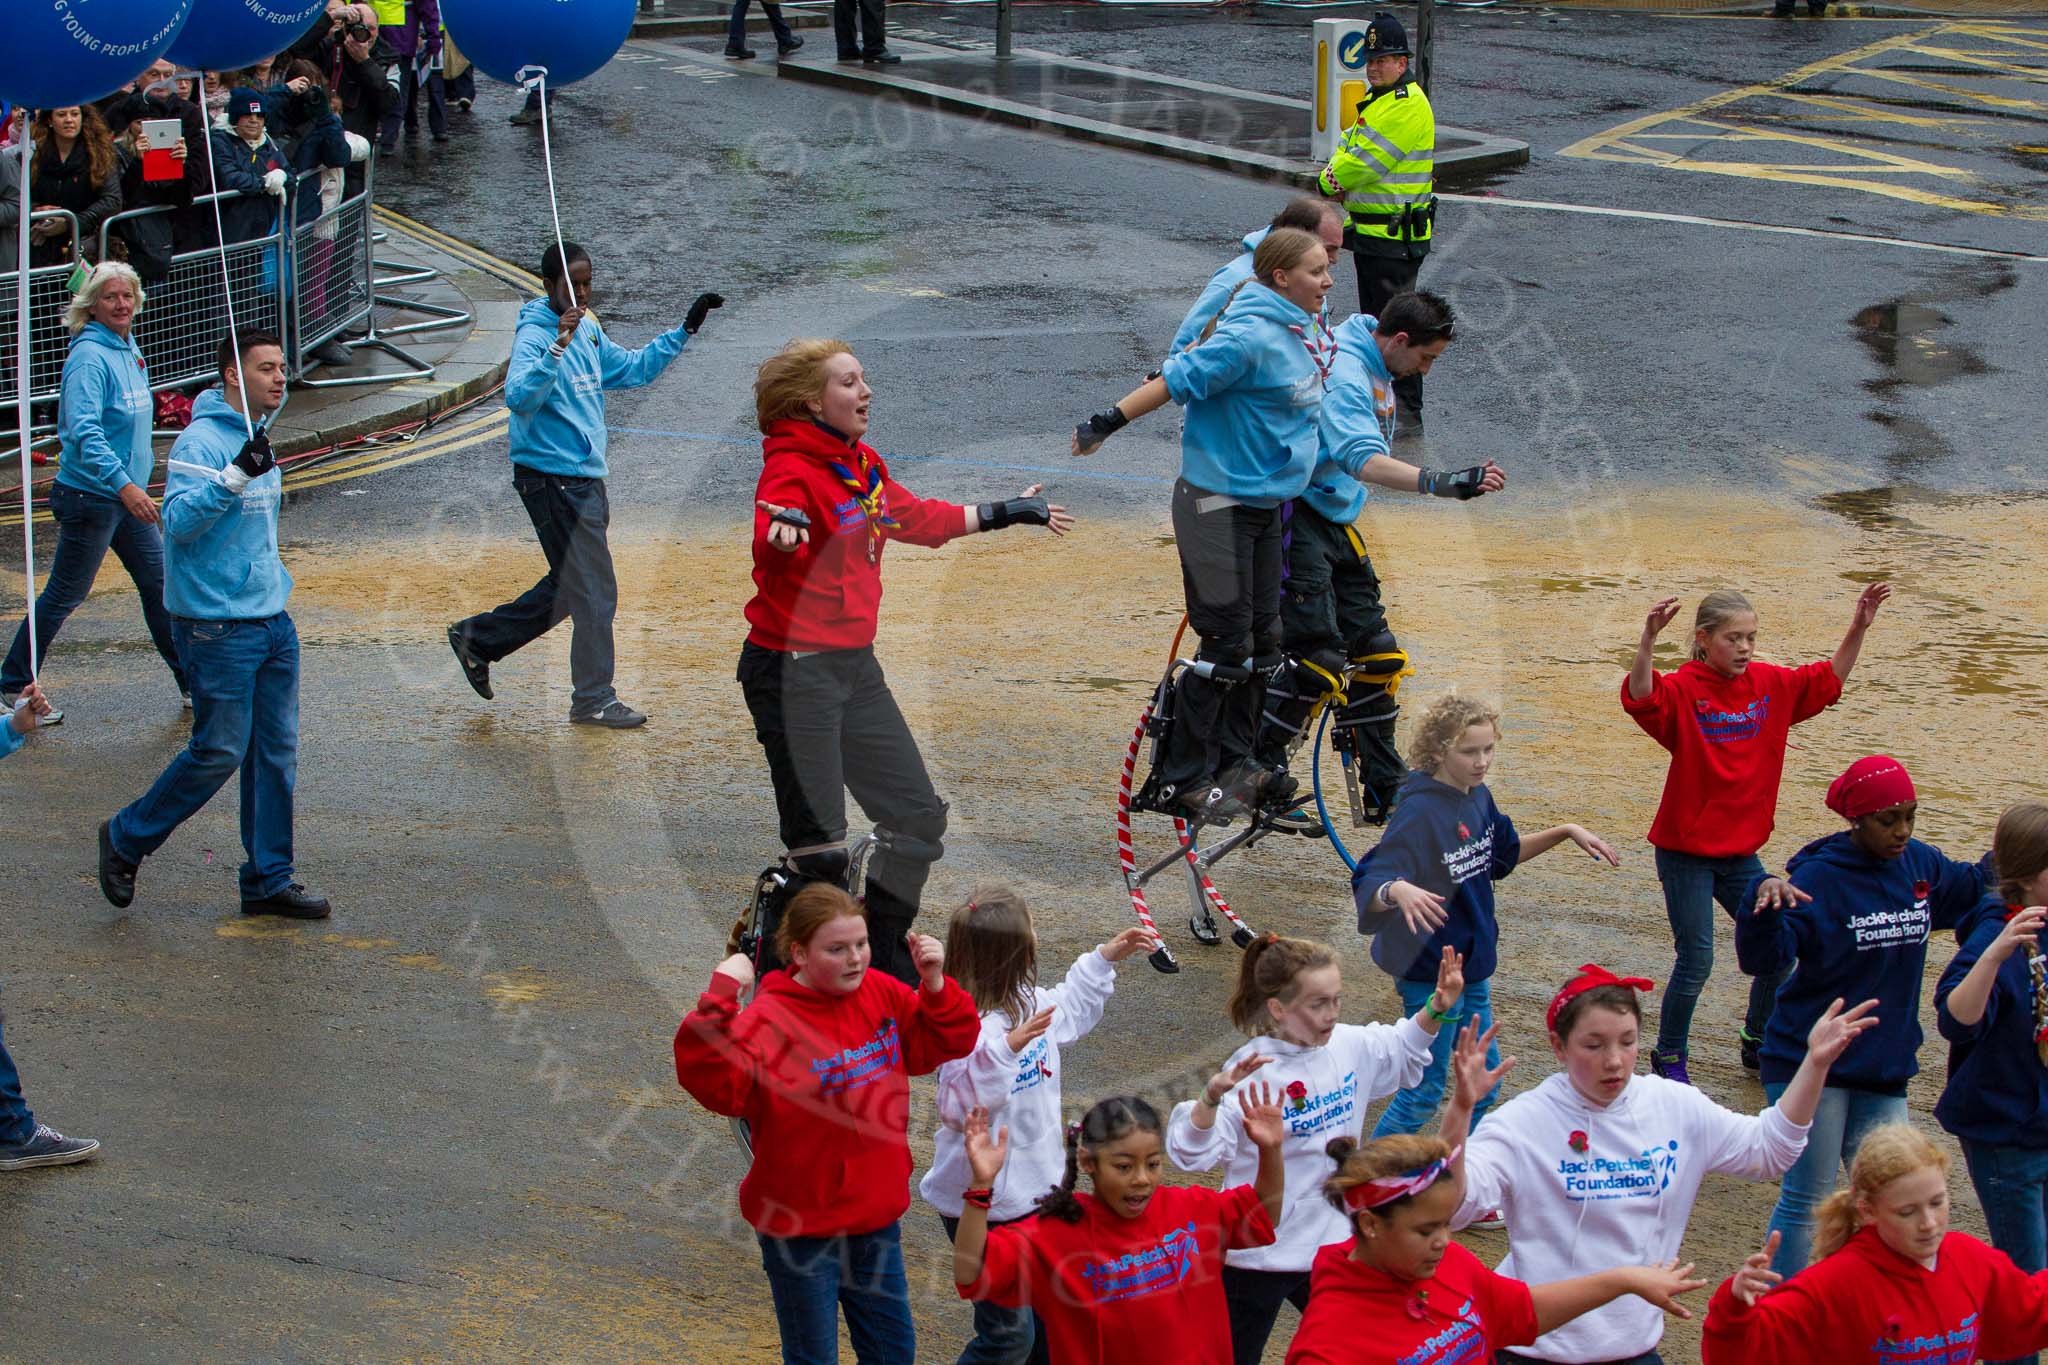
<point>225,34</point>
<point>63,52</point>
<point>571,38</point>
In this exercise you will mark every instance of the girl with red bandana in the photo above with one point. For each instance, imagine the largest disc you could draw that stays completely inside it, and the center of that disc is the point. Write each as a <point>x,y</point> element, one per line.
<point>1724,715</point>
<point>1401,1292</point>
<point>1851,920</point>
<point>1892,1286</point>
<point>826,509</point>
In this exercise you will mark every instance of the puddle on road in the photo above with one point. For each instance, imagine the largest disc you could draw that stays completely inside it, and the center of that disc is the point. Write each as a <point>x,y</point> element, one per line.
<point>1902,338</point>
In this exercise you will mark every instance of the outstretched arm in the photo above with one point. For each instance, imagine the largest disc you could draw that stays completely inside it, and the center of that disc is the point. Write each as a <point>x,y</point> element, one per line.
<point>1026,509</point>
<point>1642,673</point>
<point>1867,604</point>
<point>1535,845</point>
<point>1558,1302</point>
<point>986,1153</point>
<point>1149,396</point>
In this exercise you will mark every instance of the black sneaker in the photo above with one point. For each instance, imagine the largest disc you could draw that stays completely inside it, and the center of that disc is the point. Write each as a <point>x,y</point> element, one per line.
<point>294,902</point>
<point>1752,1050</point>
<point>46,1147</point>
<point>475,670</point>
<point>117,874</point>
<point>524,118</point>
<point>616,715</point>
<point>740,54</point>
<point>796,40</point>
<point>881,59</point>
<point>849,56</point>
<point>1206,801</point>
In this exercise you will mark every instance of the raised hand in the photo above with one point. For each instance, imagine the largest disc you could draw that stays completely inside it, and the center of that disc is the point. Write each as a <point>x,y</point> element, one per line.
<point>1264,1122</point>
<point>1775,893</point>
<point>788,527</point>
<point>1021,1036</point>
<point>701,309</point>
<point>1135,939</point>
<point>256,458</point>
<point>929,957</point>
<point>2022,928</point>
<point>1472,1079</point>
<point>1756,1278</point>
<point>1450,981</point>
<point>565,330</point>
<point>1226,1080</point>
<point>985,1154</point>
<point>1836,1029</point>
<point>739,968</point>
<point>1662,1283</point>
<point>1867,603</point>
<point>1661,615</point>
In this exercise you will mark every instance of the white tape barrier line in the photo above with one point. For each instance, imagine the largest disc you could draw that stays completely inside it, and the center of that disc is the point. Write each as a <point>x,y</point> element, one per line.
<point>1778,228</point>
<point>21,413</point>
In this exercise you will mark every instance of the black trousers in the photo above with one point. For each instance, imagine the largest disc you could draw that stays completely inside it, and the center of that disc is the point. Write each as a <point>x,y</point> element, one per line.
<point>1332,602</point>
<point>1254,1298</point>
<point>829,725</point>
<point>1379,279</point>
<point>873,37</point>
<point>1230,571</point>
<point>570,516</point>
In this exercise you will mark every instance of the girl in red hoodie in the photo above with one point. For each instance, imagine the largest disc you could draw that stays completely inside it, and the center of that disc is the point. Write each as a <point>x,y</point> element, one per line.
<point>825,510</point>
<point>1724,715</point>
<point>1893,1286</point>
<point>819,1066</point>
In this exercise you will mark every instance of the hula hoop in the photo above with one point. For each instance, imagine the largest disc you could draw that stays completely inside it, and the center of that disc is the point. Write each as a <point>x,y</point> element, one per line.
<point>1315,771</point>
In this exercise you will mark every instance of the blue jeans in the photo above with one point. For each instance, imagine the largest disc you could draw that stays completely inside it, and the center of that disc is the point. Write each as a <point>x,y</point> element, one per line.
<point>245,713</point>
<point>1691,886</point>
<point>1839,1123</point>
<point>17,1124</point>
<point>1002,1336</point>
<point>1411,1109</point>
<point>88,525</point>
<point>812,1278</point>
<point>2012,1184</point>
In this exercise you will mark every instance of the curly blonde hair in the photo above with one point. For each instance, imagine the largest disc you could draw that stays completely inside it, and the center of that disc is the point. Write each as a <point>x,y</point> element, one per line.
<point>1446,719</point>
<point>79,311</point>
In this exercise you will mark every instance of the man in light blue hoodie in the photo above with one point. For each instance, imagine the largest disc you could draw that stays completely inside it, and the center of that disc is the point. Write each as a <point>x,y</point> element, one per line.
<point>562,363</point>
<point>1323,217</point>
<point>1332,621</point>
<point>226,590</point>
<point>101,497</point>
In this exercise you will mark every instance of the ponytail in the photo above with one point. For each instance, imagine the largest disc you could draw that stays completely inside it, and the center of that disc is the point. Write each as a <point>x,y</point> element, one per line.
<point>1885,1154</point>
<point>1209,328</point>
<point>1113,1118</point>
<point>1267,971</point>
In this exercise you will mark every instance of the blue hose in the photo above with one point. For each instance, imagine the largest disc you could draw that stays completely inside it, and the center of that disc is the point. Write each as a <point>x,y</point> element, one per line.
<point>1315,769</point>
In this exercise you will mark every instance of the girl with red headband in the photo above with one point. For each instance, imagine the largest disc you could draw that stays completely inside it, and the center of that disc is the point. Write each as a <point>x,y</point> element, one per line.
<point>1400,1290</point>
<point>1892,1286</point>
<point>1992,1003</point>
<point>1133,1271</point>
<point>1724,715</point>
<point>1851,919</point>
<point>1598,1167</point>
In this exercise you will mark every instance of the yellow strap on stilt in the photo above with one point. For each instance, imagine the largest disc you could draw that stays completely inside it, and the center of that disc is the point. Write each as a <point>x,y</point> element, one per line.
<point>1357,541</point>
<point>1333,686</point>
<point>1385,669</point>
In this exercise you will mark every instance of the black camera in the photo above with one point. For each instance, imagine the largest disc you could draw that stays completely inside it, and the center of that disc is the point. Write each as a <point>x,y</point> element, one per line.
<point>356,31</point>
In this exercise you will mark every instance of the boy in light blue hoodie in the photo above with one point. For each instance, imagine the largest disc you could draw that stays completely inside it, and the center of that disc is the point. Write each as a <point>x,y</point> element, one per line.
<point>562,363</point>
<point>101,499</point>
<point>226,590</point>
<point>1251,388</point>
<point>1332,621</point>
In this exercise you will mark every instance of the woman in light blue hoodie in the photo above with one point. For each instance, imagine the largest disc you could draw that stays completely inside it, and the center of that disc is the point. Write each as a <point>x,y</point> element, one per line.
<point>1252,388</point>
<point>101,498</point>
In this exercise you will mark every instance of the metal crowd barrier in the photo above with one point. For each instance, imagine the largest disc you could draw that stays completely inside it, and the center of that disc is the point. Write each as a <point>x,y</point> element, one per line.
<point>311,284</point>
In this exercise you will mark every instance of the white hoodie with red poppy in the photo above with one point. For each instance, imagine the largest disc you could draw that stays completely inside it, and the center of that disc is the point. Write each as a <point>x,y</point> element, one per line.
<point>1586,1188</point>
<point>1323,1093</point>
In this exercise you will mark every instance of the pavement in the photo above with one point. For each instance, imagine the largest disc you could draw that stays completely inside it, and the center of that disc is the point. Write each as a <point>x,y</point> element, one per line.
<point>1244,131</point>
<point>694,18</point>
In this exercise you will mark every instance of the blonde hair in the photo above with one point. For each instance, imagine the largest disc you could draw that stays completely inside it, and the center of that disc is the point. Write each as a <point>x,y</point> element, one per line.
<point>1282,248</point>
<point>1716,609</point>
<point>1447,718</point>
<point>1268,971</point>
<point>788,380</point>
<point>79,311</point>
<point>1396,1154</point>
<point>1886,1153</point>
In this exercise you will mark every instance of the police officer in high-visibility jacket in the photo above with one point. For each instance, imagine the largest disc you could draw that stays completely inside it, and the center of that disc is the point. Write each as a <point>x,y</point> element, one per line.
<point>1383,173</point>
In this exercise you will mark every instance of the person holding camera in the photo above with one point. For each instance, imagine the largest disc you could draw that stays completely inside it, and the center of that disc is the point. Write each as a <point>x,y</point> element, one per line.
<point>343,44</point>
<point>225,587</point>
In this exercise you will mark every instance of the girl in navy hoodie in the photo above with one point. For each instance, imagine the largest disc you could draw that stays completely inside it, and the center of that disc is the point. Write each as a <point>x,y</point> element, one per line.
<point>1992,1003</point>
<point>1428,885</point>
<point>1252,388</point>
<point>819,1066</point>
<point>1851,920</point>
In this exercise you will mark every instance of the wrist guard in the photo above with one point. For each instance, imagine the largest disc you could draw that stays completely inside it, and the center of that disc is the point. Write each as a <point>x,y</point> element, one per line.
<point>994,516</point>
<point>1462,484</point>
<point>1092,433</point>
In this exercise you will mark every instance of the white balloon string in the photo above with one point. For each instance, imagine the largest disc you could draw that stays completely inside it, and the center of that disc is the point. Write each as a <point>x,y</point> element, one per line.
<point>227,284</point>
<point>21,378</point>
<point>547,152</point>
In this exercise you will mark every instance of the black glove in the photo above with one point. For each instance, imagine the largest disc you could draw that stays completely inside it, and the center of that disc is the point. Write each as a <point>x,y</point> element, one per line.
<point>1090,434</point>
<point>1461,485</point>
<point>256,459</point>
<point>1016,512</point>
<point>699,310</point>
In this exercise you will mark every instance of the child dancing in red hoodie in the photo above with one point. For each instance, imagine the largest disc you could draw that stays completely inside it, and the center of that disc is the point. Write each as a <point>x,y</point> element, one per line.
<point>819,1066</point>
<point>825,509</point>
<point>1893,1286</point>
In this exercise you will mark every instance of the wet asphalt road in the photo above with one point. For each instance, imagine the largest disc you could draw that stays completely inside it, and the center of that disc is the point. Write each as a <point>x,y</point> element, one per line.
<point>442,1126</point>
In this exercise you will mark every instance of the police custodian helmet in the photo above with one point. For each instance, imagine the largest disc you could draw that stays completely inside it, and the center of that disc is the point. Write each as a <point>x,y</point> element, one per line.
<point>1384,37</point>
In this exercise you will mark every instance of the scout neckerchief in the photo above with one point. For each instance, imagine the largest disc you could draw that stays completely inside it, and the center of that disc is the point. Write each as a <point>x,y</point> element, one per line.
<point>1320,344</point>
<point>867,490</point>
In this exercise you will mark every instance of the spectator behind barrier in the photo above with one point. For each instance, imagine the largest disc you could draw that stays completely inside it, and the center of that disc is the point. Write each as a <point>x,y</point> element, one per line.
<point>343,44</point>
<point>246,159</point>
<point>75,168</point>
<point>153,239</point>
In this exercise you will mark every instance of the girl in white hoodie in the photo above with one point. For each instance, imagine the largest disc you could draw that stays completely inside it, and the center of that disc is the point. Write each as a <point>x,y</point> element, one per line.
<point>1289,993</point>
<point>1599,1167</point>
<point>1014,1074</point>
